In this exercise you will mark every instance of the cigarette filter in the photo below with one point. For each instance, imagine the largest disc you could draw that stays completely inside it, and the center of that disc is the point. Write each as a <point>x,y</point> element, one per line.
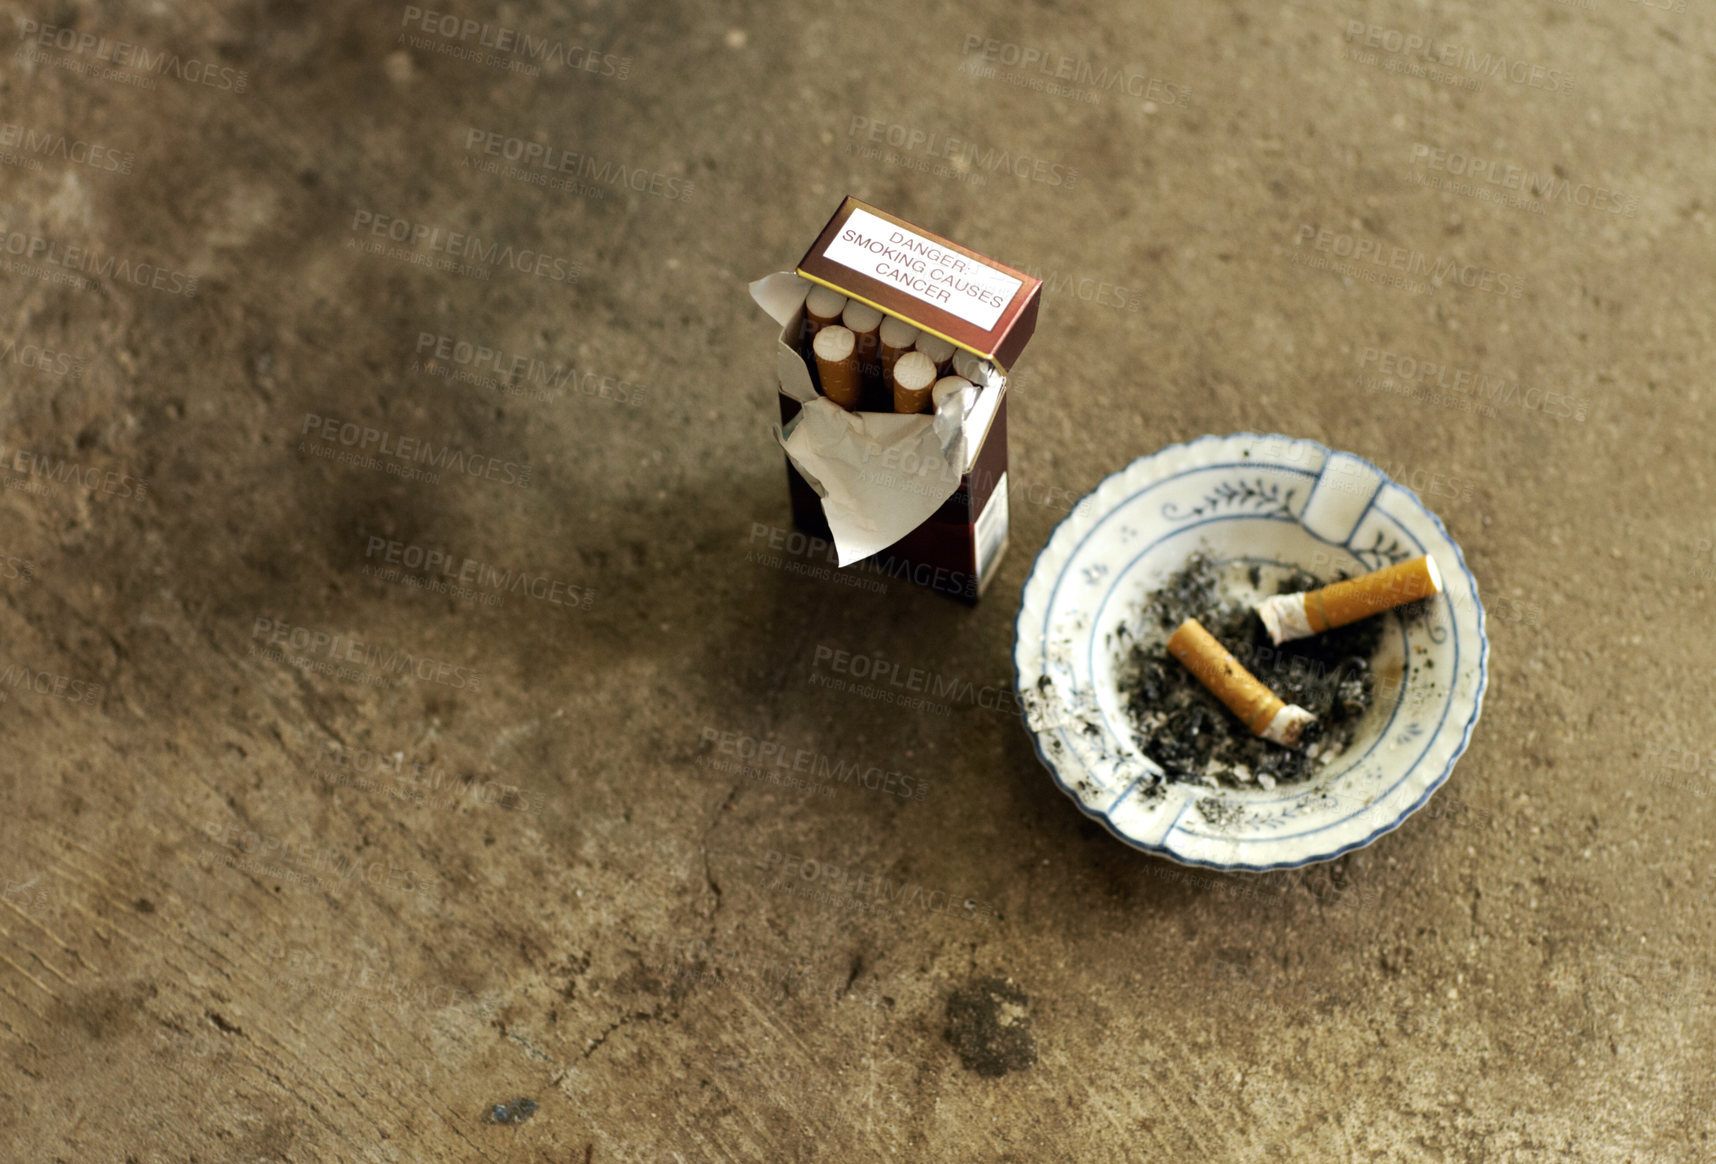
<point>1262,711</point>
<point>952,386</point>
<point>914,379</point>
<point>1296,616</point>
<point>823,306</point>
<point>938,350</point>
<point>837,364</point>
<point>897,338</point>
<point>969,365</point>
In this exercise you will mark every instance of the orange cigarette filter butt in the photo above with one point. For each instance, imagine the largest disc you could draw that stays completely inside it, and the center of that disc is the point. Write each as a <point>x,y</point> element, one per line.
<point>837,364</point>
<point>914,381</point>
<point>1262,711</point>
<point>1296,616</point>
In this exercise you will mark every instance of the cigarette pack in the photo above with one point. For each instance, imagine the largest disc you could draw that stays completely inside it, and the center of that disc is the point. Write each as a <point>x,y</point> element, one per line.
<point>893,360</point>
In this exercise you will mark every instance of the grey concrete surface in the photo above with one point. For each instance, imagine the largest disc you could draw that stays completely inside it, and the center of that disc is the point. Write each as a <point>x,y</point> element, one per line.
<point>271,902</point>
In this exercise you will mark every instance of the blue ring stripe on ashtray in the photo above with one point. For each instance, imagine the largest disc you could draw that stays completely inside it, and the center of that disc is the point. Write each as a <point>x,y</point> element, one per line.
<point>1286,798</point>
<point>1025,647</point>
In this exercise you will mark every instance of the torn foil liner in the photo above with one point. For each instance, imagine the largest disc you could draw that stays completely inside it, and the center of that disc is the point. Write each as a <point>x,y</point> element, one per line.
<point>880,475</point>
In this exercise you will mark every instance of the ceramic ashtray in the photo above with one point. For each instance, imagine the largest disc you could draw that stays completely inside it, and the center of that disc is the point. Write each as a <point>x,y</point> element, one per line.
<point>1222,525</point>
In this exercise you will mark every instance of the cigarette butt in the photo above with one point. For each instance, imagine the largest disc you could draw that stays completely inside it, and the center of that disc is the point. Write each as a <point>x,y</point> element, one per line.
<point>1260,709</point>
<point>952,386</point>
<point>1295,616</point>
<point>914,379</point>
<point>837,364</point>
<point>823,306</point>
<point>938,350</point>
<point>970,365</point>
<point>897,338</point>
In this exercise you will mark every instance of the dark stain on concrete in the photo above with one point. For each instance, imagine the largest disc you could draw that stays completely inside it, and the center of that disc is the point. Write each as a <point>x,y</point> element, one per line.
<point>988,1025</point>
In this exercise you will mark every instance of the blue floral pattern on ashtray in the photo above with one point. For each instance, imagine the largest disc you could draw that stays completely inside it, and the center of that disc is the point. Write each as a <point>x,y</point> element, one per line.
<point>1260,497</point>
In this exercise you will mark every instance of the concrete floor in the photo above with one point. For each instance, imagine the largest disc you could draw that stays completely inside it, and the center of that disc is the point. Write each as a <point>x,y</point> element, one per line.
<point>267,900</point>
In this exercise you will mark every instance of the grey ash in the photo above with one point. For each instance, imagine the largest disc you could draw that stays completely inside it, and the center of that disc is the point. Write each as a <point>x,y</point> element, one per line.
<point>1187,731</point>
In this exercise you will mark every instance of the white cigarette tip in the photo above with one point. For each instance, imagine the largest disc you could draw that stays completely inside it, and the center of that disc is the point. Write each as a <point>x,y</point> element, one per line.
<point>1435,574</point>
<point>1288,725</point>
<point>833,343</point>
<point>825,302</point>
<point>952,386</point>
<point>914,372</point>
<point>898,334</point>
<point>935,348</point>
<point>861,317</point>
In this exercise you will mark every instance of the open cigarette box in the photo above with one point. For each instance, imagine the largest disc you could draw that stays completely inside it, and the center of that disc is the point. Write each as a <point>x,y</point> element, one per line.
<point>892,358</point>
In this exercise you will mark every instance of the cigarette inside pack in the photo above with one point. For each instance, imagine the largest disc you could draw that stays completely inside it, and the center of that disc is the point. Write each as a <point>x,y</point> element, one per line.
<point>894,351</point>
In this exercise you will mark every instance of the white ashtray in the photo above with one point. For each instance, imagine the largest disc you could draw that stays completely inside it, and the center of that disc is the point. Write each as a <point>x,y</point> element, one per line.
<point>1280,504</point>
